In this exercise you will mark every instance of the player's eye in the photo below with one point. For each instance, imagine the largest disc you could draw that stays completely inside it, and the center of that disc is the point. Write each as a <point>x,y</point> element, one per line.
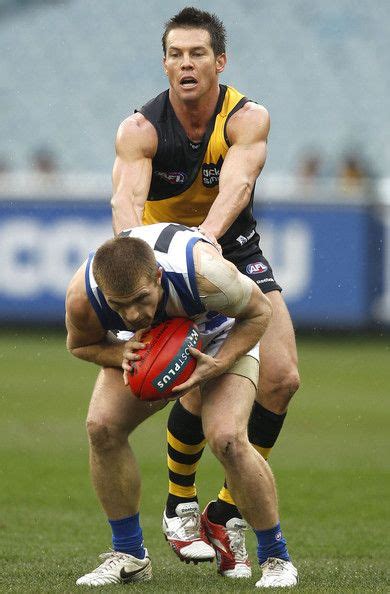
<point>114,306</point>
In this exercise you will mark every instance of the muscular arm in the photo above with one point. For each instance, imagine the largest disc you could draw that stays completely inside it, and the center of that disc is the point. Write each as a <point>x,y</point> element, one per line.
<point>247,130</point>
<point>136,144</point>
<point>86,339</point>
<point>223,288</point>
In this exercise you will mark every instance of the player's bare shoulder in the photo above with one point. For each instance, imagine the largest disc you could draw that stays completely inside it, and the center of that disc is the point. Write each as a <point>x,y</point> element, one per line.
<point>79,312</point>
<point>252,121</point>
<point>136,133</point>
<point>77,302</point>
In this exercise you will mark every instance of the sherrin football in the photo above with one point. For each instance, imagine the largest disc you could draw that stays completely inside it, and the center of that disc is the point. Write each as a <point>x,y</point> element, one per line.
<point>166,361</point>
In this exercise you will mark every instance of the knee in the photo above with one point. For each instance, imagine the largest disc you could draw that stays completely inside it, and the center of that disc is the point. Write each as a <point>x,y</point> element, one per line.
<point>279,386</point>
<point>285,381</point>
<point>290,382</point>
<point>104,437</point>
<point>227,445</point>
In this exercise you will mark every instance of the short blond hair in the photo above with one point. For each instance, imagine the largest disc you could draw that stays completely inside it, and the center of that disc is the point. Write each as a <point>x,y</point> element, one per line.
<point>121,263</point>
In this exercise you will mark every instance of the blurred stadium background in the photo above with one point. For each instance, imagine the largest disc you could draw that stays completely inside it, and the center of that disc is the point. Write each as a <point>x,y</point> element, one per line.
<point>70,71</point>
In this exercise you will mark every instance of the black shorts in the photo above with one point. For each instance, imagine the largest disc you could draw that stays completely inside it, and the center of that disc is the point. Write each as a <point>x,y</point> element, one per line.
<point>257,268</point>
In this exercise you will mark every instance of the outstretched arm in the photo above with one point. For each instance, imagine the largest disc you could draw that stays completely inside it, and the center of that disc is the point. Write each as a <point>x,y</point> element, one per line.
<point>247,130</point>
<point>136,143</point>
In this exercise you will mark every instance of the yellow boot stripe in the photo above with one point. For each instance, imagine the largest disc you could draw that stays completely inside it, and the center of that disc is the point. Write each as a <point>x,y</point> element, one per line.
<point>185,469</point>
<point>184,448</point>
<point>179,491</point>
<point>263,451</point>
<point>224,494</point>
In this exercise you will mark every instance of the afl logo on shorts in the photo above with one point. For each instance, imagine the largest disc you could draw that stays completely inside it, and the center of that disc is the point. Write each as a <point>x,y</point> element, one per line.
<point>256,268</point>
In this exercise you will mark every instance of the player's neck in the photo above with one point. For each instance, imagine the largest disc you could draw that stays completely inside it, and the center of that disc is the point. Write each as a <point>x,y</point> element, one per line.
<point>194,116</point>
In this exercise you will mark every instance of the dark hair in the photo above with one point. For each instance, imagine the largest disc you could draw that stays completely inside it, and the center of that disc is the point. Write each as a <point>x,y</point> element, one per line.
<point>193,18</point>
<point>120,263</point>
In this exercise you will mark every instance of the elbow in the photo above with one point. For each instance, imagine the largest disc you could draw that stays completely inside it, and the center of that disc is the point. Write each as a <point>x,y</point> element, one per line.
<point>246,193</point>
<point>265,315</point>
<point>120,202</point>
<point>72,350</point>
<point>248,186</point>
<point>114,203</point>
<point>267,310</point>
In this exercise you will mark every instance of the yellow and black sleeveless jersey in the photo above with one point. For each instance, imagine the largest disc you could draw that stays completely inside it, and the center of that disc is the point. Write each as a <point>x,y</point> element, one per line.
<point>185,174</point>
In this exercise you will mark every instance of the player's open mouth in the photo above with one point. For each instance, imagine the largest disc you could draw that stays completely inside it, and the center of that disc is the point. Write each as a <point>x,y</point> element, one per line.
<point>188,82</point>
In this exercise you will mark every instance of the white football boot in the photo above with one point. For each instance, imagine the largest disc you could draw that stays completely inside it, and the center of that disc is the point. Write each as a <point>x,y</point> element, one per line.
<point>229,544</point>
<point>118,568</point>
<point>185,536</point>
<point>277,573</point>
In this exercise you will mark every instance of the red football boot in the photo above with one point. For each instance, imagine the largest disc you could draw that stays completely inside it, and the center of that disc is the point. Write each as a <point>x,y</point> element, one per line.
<point>229,544</point>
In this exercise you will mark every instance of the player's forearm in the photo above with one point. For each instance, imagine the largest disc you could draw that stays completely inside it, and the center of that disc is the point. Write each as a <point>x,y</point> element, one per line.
<point>229,203</point>
<point>243,164</point>
<point>126,213</point>
<point>244,335</point>
<point>102,353</point>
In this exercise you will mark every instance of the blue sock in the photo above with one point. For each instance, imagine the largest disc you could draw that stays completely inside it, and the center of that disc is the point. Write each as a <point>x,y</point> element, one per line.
<point>127,536</point>
<point>271,543</point>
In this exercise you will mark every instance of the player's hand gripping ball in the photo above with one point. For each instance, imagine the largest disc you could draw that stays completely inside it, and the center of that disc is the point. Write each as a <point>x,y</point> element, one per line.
<point>166,361</point>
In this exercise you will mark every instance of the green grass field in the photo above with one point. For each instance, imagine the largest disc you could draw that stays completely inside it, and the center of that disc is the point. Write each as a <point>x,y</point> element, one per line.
<point>331,465</point>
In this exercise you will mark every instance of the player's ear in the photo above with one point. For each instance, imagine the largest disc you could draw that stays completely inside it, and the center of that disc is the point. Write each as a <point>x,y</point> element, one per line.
<point>159,275</point>
<point>164,66</point>
<point>220,63</point>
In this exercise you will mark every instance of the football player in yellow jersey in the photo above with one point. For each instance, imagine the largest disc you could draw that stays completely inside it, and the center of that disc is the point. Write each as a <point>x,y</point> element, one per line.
<point>192,155</point>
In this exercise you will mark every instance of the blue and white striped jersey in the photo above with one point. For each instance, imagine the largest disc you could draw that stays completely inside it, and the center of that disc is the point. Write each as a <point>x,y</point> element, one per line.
<point>173,247</point>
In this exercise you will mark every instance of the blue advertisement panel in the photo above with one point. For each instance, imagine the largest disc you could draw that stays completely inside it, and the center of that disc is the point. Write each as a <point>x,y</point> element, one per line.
<point>41,245</point>
<point>320,255</point>
<point>331,260</point>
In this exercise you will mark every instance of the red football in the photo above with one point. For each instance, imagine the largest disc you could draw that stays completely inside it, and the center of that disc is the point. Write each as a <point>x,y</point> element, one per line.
<point>165,362</point>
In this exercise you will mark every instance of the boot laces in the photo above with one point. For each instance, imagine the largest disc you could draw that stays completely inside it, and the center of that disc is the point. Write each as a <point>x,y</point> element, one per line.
<point>189,528</point>
<point>237,542</point>
<point>110,559</point>
<point>275,565</point>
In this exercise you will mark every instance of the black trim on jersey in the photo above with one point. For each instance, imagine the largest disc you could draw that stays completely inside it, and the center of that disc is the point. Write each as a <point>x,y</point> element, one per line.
<point>164,239</point>
<point>191,271</point>
<point>174,159</point>
<point>240,104</point>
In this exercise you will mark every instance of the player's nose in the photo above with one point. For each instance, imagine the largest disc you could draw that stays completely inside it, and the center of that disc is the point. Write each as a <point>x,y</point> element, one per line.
<point>131,314</point>
<point>186,61</point>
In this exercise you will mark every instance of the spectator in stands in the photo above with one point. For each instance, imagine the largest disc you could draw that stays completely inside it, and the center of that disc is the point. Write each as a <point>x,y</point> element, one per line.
<point>44,161</point>
<point>355,176</point>
<point>309,171</point>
